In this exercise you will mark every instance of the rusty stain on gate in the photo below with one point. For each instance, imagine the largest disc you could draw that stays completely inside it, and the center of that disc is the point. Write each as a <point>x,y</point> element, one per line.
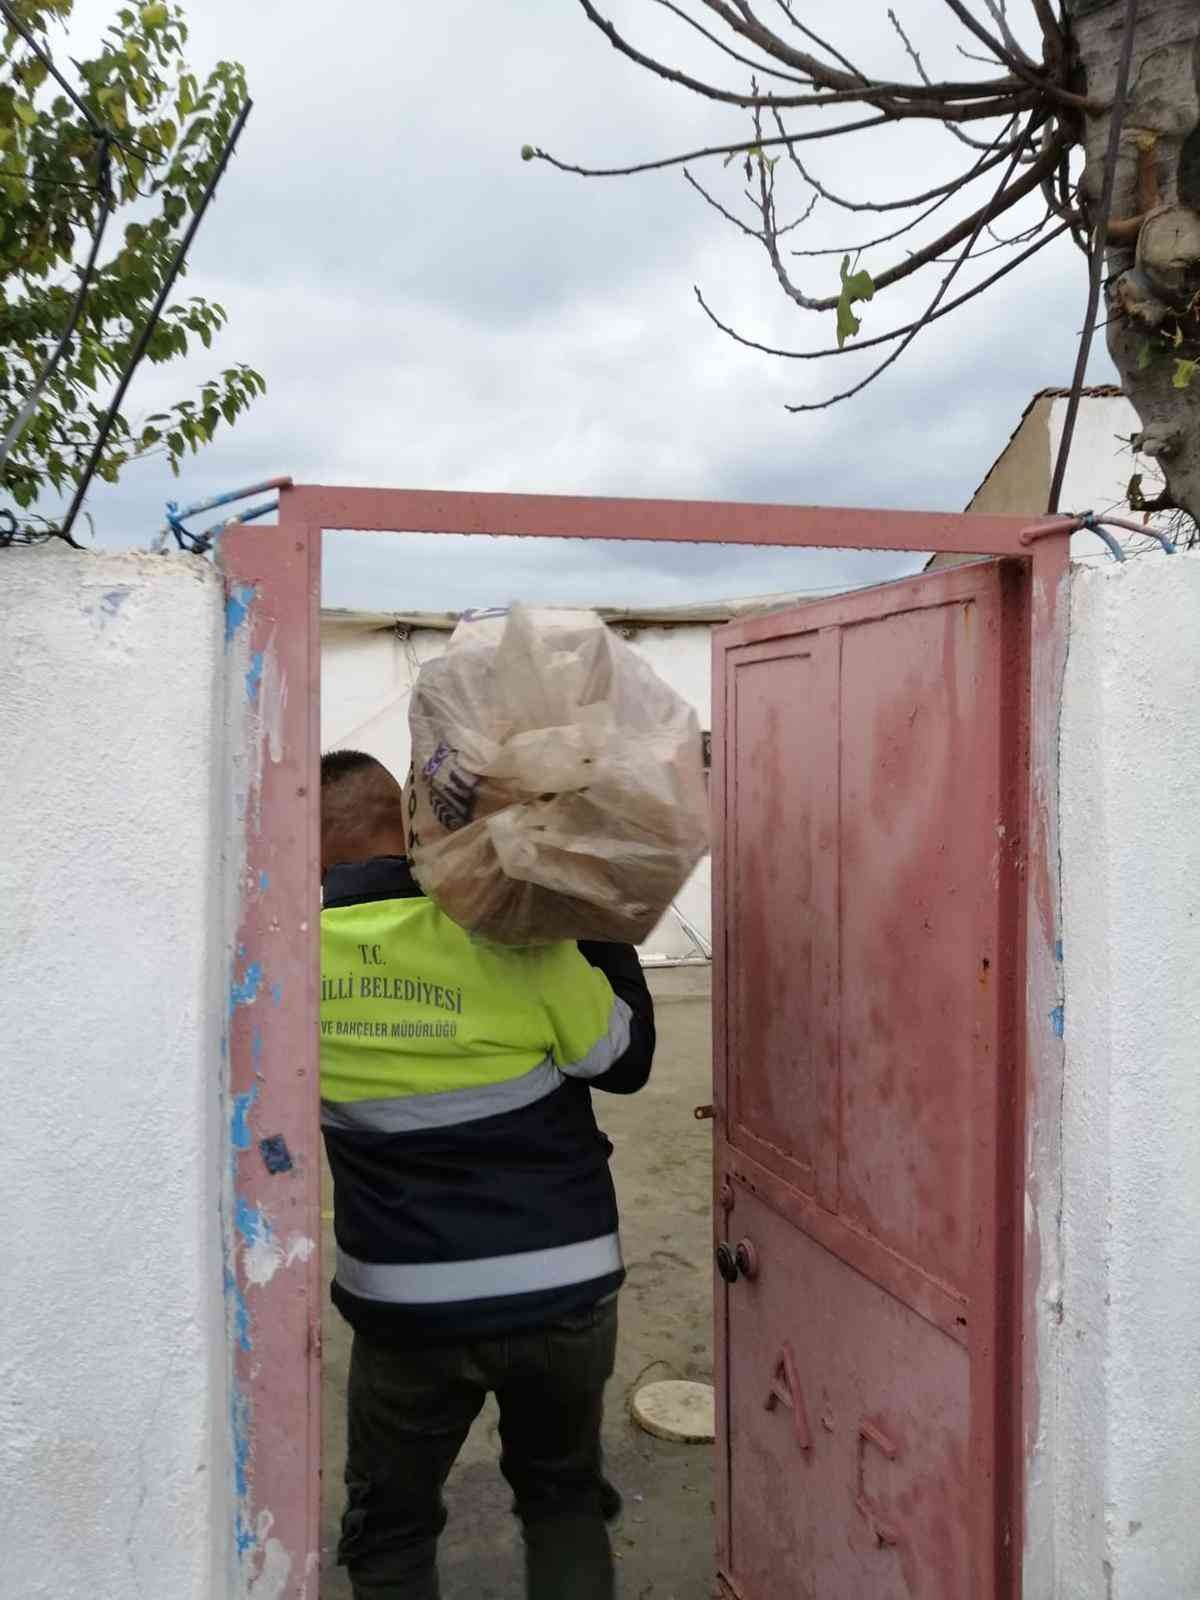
<point>802,1179</point>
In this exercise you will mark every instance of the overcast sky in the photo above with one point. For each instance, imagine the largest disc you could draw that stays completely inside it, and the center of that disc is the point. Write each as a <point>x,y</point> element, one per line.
<point>432,312</point>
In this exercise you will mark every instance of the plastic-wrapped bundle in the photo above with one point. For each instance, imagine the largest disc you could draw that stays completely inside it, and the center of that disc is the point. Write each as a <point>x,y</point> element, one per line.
<point>557,787</point>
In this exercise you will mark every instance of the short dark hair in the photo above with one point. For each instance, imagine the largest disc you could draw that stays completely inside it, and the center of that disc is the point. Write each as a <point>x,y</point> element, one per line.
<point>339,764</point>
<point>362,808</point>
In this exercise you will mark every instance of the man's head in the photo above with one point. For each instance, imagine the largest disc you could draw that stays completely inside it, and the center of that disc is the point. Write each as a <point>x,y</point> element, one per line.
<point>362,809</point>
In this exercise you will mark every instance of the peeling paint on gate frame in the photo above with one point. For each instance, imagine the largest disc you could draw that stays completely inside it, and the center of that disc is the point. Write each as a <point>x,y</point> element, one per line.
<point>271,1207</point>
<point>273,587</point>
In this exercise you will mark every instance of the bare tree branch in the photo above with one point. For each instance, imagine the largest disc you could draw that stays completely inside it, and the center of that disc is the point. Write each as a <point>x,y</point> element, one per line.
<point>745,61</point>
<point>1001,151</point>
<point>922,322</point>
<point>1017,65</point>
<point>814,38</point>
<point>1052,33</point>
<point>999,16</point>
<point>1004,198</point>
<point>969,55</point>
<point>536,153</point>
<point>771,44</point>
<point>876,340</point>
<point>1002,243</point>
<point>1031,99</point>
<point>915,58</point>
<point>855,250</point>
<point>742,227</point>
<point>997,98</point>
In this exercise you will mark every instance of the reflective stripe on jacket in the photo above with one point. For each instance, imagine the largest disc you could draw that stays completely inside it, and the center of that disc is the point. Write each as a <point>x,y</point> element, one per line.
<point>471,1185</point>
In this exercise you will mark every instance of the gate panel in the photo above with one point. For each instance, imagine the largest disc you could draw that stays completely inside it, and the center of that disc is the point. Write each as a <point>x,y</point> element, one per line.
<point>869,855</point>
<point>850,1413</point>
<point>785,698</point>
<point>918,860</point>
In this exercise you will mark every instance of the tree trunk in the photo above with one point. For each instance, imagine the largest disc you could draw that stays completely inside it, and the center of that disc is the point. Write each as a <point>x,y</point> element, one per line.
<point>1154,248</point>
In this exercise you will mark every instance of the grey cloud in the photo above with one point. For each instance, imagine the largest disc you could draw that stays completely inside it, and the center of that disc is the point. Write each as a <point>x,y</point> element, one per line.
<point>432,312</point>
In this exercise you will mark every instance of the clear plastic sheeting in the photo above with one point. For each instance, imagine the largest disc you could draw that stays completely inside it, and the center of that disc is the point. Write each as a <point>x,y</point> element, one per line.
<point>557,786</point>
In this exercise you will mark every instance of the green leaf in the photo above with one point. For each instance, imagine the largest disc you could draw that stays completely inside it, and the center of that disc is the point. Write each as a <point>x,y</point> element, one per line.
<point>855,286</point>
<point>1185,371</point>
<point>134,78</point>
<point>1145,354</point>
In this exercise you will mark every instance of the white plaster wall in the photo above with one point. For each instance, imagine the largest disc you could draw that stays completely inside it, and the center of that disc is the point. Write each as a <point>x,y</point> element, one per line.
<point>1101,461</point>
<point>366,680</point>
<point>1128,1441</point>
<point>1099,468</point>
<point>113,1444</point>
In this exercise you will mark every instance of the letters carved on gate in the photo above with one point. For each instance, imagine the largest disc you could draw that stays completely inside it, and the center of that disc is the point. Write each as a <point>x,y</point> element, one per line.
<point>785,1390</point>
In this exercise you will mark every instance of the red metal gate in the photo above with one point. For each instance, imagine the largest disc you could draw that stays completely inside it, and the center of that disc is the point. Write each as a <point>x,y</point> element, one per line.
<point>797,1200</point>
<point>871,792</point>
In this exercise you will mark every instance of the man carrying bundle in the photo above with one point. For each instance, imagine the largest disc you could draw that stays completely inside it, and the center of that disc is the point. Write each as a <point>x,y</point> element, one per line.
<point>476,1222</point>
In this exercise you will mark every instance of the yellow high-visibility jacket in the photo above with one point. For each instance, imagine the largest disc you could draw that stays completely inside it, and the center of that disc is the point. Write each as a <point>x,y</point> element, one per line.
<point>471,1187</point>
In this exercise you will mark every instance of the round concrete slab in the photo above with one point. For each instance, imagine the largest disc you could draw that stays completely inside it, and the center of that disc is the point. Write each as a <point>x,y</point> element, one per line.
<point>673,1409</point>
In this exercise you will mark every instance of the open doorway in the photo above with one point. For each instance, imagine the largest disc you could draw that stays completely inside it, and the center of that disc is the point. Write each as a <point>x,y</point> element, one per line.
<point>371,654</point>
<point>288,627</point>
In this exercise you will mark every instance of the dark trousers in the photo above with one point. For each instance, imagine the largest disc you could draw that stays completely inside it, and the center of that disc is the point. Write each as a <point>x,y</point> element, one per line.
<point>409,1414</point>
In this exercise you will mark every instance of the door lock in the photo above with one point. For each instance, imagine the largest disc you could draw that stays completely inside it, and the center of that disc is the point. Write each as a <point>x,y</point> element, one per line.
<point>737,1261</point>
<point>727,1264</point>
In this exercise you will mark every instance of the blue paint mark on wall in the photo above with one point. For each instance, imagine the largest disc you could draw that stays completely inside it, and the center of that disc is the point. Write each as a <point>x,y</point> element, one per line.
<point>245,992</point>
<point>241,1313</point>
<point>244,1535</point>
<point>237,606</point>
<point>1058,1021</point>
<point>256,1052</point>
<point>1058,950</point>
<point>239,1122</point>
<point>250,1222</point>
<point>277,993</point>
<point>254,674</point>
<point>264,882</point>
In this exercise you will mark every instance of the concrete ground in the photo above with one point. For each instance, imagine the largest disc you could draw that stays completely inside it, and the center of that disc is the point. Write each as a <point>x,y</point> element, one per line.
<point>662,1166</point>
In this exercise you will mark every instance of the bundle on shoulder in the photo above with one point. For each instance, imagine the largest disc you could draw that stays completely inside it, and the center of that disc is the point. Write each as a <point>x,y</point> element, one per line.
<point>557,787</point>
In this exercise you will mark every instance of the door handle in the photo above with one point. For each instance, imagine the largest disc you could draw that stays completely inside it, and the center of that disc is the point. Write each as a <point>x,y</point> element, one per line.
<point>746,1256</point>
<point>737,1261</point>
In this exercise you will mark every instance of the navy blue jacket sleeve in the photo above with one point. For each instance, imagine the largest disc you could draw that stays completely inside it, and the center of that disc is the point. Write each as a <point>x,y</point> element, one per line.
<point>620,965</point>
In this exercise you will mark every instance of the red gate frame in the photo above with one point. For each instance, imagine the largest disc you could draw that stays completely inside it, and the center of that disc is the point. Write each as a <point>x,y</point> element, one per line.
<point>273,581</point>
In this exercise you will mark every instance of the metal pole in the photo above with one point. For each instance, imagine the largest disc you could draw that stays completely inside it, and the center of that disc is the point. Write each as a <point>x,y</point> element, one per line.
<point>139,348</point>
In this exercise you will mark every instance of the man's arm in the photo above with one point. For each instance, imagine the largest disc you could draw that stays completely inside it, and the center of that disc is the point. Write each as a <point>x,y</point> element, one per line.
<point>620,965</point>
